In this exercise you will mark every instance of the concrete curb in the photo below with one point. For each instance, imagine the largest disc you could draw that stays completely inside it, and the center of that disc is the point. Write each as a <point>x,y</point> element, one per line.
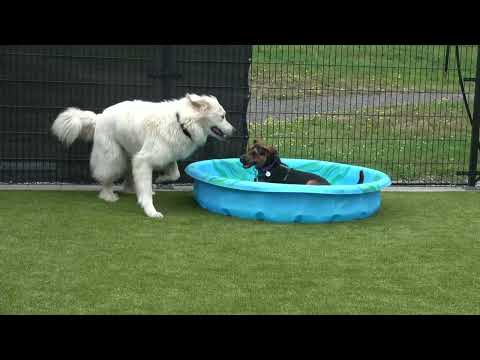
<point>69,187</point>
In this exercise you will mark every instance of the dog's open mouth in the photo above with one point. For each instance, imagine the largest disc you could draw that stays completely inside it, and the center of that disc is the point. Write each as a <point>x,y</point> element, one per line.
<point>245,163</point>
<point>218,132</point>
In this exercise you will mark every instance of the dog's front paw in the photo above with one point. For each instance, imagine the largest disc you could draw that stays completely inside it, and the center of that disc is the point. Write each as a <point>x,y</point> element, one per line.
<point>156,215</point>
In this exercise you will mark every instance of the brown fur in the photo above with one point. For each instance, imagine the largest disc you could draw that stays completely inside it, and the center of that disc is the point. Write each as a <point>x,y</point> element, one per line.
<point>259,155</point>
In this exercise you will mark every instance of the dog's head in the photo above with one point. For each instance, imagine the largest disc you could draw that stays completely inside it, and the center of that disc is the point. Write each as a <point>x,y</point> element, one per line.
<point>259,155</point>
<point>211,116</point>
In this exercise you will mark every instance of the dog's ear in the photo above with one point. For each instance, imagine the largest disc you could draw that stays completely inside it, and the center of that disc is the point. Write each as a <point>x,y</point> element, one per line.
<point>199,103</point>
<point>272,150</point>
<point>257,141</point>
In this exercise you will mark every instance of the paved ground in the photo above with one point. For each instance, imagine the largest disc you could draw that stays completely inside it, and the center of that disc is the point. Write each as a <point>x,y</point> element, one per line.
<point>259,109</point>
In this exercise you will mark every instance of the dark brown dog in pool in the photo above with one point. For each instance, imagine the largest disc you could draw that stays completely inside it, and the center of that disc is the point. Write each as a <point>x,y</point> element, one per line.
<point>271,169</point>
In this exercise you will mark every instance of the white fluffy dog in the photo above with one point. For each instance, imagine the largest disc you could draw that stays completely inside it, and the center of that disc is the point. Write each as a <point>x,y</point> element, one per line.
<point>133,138</point>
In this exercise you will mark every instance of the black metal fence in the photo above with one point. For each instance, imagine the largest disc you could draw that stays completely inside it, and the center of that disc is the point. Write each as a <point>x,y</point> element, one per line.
<point>399,109</point>
<point>38,82</point>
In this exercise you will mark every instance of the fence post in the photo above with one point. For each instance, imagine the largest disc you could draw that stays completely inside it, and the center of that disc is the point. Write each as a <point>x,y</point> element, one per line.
<point>474,142</point>
<point>447,59</point>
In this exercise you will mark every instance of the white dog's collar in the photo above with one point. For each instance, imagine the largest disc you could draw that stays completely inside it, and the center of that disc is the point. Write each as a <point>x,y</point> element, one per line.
<point>184,129</point>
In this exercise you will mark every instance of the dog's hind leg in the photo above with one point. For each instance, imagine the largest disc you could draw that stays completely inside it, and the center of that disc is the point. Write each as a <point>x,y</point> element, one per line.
<point>128,185</point>
<point>142,175</point>
<point>169,173</point>
<point>107,193</point>
<point>108,163</point>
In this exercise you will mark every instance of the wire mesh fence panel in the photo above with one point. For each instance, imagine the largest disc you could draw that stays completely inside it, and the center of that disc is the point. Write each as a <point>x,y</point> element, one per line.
<point>38,82</point>
<point>398,109</point>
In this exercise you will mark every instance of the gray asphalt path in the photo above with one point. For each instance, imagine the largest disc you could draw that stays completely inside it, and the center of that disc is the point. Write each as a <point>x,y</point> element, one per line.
<point>259,109</point>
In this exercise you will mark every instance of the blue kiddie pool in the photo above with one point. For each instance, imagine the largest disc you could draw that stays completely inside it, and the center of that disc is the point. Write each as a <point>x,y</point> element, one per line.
<point>223,186</point>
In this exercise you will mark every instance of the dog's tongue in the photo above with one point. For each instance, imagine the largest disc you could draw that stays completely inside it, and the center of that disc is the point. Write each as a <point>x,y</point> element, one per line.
<point>217,131</point>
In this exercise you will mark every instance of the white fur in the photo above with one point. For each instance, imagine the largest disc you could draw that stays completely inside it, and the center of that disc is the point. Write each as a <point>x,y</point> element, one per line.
<point>132,138</point>
<point>74,123</point>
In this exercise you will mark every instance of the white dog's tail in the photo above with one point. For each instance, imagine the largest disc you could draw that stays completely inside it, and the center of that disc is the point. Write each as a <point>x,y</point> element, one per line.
<point>74,123</point>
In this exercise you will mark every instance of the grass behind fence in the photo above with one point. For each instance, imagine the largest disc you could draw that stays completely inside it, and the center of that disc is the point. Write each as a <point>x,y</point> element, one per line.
<point>417,139</point>
<point>281,71</point>
<point>403,141</point>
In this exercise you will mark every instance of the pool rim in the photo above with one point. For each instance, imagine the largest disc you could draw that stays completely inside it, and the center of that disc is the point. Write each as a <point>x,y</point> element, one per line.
<point>244,185</point>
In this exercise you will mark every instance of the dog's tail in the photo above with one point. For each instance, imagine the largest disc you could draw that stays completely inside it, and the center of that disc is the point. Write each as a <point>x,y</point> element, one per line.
<point>74,123</point>
<point>361,177</point>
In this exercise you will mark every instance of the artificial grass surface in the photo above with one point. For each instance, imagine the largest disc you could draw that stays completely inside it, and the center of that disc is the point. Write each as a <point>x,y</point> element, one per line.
<point>71,253</point>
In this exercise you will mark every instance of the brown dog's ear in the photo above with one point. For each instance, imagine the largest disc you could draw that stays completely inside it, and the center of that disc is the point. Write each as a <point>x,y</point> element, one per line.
<point>257,141</point>
<point>272,150</point>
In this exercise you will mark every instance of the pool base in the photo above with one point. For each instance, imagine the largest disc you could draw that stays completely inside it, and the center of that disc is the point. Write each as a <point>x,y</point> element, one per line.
<point>224,187</point>
<point>289,207</point>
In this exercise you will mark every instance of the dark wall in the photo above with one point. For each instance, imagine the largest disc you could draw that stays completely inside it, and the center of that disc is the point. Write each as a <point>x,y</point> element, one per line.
<point>221,71</point>
<point>38,82</point>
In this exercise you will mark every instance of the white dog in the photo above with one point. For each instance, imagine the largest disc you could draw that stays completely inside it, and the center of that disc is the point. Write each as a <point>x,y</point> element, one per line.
<point>136,137</point>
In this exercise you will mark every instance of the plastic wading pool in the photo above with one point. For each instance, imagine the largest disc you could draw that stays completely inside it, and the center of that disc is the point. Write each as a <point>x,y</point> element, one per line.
<point>223,186</point>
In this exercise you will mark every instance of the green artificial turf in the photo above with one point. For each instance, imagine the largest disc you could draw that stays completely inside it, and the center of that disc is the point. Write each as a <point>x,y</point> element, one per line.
<point>71,253</point>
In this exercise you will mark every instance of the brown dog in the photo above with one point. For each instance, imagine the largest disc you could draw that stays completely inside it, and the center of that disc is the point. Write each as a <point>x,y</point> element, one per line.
<point>271,169</point>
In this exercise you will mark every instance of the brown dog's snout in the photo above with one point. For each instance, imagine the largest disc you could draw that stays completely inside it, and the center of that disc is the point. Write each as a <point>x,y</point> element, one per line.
<point>247,160</point>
